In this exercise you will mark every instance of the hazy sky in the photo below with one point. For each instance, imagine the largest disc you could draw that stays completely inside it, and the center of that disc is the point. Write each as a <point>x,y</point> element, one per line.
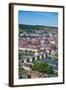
<point>38,18</point>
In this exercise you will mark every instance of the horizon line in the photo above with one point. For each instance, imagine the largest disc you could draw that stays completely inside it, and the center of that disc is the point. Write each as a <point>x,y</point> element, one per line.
<point>38,25</point>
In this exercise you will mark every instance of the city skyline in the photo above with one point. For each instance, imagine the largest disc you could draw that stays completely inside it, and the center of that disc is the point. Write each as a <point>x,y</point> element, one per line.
<point>38,18</point>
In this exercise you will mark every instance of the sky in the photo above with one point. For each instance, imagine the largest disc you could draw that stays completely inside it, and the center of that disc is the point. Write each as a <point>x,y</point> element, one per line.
<point>38,18</point>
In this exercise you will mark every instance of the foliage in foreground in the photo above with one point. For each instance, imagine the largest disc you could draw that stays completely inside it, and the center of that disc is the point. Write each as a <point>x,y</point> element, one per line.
<point>42,67</point>
<point>21,70</point>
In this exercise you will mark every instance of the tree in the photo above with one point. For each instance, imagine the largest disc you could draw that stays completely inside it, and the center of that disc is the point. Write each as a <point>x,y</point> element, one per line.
<point>42,67</point>
<point>21,70</point>
<point>42,56</point>
<point>33,59</point>
<point>38,57</point>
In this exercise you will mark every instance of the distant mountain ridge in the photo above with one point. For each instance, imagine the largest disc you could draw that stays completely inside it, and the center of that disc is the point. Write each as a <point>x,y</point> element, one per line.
<point>37,27</point>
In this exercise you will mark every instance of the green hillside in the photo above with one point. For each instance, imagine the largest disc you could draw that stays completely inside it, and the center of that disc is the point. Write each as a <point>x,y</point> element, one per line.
<point>23,27</point>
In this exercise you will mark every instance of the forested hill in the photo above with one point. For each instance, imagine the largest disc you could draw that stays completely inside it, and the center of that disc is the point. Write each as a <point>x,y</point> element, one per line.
<point>36,27</point>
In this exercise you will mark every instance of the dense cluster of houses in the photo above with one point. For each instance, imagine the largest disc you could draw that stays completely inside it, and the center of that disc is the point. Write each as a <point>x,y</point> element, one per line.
<point>41,41</point>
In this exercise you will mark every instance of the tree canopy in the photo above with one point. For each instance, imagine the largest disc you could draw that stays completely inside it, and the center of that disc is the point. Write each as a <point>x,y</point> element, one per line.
<point>42,67</point>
